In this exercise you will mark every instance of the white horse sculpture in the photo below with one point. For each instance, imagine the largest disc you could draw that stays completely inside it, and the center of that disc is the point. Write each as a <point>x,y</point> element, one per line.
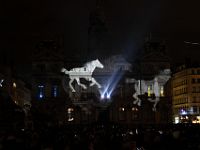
<point>83,72</point>
<point>141,87</point>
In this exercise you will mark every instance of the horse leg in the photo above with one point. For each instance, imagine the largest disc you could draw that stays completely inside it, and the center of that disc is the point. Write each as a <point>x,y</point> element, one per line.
<point>137,101</point>
<point>155,103</point>
<point>95,82</point>
<point>70,85</point>
<point>79,83</point>
<point>136,98</point>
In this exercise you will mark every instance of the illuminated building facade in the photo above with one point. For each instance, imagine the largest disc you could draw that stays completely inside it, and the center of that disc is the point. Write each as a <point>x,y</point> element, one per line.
<point>186,94</point>
<point>140,84</point>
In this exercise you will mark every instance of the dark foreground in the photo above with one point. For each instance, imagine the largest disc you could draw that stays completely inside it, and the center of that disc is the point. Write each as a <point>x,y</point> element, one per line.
<point>101,137</point>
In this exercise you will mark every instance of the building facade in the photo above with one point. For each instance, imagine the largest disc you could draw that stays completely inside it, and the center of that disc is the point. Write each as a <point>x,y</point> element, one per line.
<point>48,96</point>
<point>146,81</point>
<point>186,94</point>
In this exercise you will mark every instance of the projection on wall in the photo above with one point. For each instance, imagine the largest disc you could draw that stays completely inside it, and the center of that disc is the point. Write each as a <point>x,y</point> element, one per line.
<point>1,82</point>
<point>151,87</point>
<point>114,70</point>
<point>83,72</point>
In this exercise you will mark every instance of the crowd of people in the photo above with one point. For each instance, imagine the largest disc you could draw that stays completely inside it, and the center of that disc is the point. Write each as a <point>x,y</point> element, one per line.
<point>101,137</point>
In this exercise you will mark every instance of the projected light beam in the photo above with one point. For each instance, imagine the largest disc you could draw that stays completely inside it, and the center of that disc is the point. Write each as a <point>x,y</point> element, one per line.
<point>111,84</point>
<point>104,90</point>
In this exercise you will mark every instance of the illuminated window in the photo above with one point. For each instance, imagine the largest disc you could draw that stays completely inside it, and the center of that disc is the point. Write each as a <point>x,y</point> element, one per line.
<point>176,120</point>
<point>122,114</point>
<point>149,89</point>
<point>70,110</point>
<point>161,91</point>
<point>134,109</point>
<point>41,91</point>
<point>14,85</point>
<point>121,109</point>
<point>55,91</point>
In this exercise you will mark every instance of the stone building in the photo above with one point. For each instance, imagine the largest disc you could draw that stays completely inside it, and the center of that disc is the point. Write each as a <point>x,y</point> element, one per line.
<point>186,94</point>
<point>48,95</point>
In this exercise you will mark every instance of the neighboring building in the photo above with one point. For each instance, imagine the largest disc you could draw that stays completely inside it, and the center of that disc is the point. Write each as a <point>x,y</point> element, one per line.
<point>20,94</point>
<point>186,94</point>
<point>48,95</point>
<point>11,114</point>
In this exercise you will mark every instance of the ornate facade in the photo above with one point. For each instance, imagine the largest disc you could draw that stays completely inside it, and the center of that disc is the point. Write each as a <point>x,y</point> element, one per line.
<point>124,109</point>
<point>48,95</point>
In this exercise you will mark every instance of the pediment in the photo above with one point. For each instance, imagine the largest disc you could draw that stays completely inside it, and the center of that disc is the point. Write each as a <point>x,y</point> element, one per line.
<point>156,56</point>
<point>48,50</point>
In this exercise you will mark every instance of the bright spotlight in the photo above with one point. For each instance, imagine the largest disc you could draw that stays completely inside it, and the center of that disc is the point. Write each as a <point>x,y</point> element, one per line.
<point>108,96</point>
<point>102,96</point>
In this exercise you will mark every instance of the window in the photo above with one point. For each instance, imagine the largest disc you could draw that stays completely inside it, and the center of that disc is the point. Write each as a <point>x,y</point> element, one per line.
<point>149,89</point>
<point>135,116</point>
<point>193,89</point>
<point>198,89</point>
<point>122,114</point>
<point>161,91</point>
<point>54,90</point>
<point>41,67</point>
<point>41,91</point>
<point>194,109</point>
<point>193,71</point>
<point>193,80</point>
<point>14,85</point>
<point>194,99</point>
<point>198,71</point>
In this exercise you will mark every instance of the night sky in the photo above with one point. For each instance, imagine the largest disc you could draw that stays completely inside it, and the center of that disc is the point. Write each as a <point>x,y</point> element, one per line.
<point>25,23</point>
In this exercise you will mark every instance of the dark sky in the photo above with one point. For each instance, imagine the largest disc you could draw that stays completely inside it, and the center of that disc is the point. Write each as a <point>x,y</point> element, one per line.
<point>26,22</point>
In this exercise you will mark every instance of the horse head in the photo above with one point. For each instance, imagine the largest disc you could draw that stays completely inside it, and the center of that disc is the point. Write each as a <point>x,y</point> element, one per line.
<point>98,63</point>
